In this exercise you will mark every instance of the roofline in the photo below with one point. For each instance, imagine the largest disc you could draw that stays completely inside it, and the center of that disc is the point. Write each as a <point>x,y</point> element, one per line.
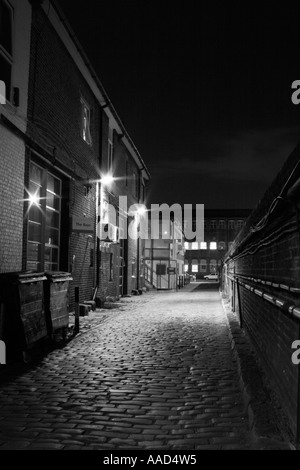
<point>103,99</point>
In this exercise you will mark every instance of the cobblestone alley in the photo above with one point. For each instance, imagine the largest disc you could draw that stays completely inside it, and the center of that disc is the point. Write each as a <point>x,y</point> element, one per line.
<point>157,373</point>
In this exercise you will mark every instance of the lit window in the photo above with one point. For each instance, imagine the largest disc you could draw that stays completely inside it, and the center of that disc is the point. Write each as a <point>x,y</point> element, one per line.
<point>186,268</point>
<point>110,149</point>
<point>203,246</point>
<point>213,246</point>
<point>194,266</point>
<point>221,245</point>
<point>86,122</point>
<point>43,238</point>
<point>186,245</point>
<point>6,49</point>
<point>195,246</point>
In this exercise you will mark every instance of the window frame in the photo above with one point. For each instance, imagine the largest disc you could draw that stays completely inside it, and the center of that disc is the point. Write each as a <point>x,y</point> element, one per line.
<point>222,245</point>
<point>84,105</point>
<point>43,207</point>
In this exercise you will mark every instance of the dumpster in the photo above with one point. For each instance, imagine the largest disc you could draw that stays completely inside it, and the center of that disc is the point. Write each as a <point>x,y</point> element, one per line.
<point>23,320</point>
<point>57,300</point>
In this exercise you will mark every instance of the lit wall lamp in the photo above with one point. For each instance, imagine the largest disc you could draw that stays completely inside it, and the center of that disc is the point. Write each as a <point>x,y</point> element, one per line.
<point>107,179</point>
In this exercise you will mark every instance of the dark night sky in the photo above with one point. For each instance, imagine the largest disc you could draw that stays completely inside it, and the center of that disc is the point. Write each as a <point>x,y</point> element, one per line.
<point>204,91</point>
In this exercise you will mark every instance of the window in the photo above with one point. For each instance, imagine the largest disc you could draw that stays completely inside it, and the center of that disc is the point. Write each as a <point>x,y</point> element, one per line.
<point>222,245</point>
<point>86,122</point>
<point>213,224</point>
<point>231,224</point>
<point>203,265</point>
<point>240,223</point>
<point>203,246</point>
<point>186,268</point>
<point>186,245</point>
<point>43,238</point>
<point>6,44</point>
<point>194,266</point>
<point>213,246</point>
<point>195,246</point>
<point>110,149</point>
<point>222,225</point>
<point>213,266</point>
<point>161,269</point>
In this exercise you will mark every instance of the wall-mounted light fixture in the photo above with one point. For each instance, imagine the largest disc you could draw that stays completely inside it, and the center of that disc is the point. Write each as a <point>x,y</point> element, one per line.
<point>107,179</point>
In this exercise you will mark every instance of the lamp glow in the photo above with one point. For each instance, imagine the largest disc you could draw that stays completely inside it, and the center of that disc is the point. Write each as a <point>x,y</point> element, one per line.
<point>141,211</point>
<point>107,180</point>
<point>33,199</point>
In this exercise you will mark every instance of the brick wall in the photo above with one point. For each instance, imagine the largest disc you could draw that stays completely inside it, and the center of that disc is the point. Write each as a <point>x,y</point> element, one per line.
<point>11,196</point>
<point>55,128</point>
<point>261,275</point>
<point>12,151</point>
<point>122,186</point>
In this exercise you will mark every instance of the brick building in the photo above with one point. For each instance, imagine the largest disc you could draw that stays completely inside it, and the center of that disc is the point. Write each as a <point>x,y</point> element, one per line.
<point>164,254</point>
<point>221,226</point>
<point>261,280</point>
<point>57,146</point>
<point>15,24</point>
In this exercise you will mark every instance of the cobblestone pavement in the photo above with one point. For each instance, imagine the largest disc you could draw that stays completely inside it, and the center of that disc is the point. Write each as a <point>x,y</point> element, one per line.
<point>157,373</point>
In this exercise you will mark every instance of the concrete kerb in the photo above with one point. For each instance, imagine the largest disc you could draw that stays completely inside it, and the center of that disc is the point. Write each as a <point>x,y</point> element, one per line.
<point>266,427</point>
